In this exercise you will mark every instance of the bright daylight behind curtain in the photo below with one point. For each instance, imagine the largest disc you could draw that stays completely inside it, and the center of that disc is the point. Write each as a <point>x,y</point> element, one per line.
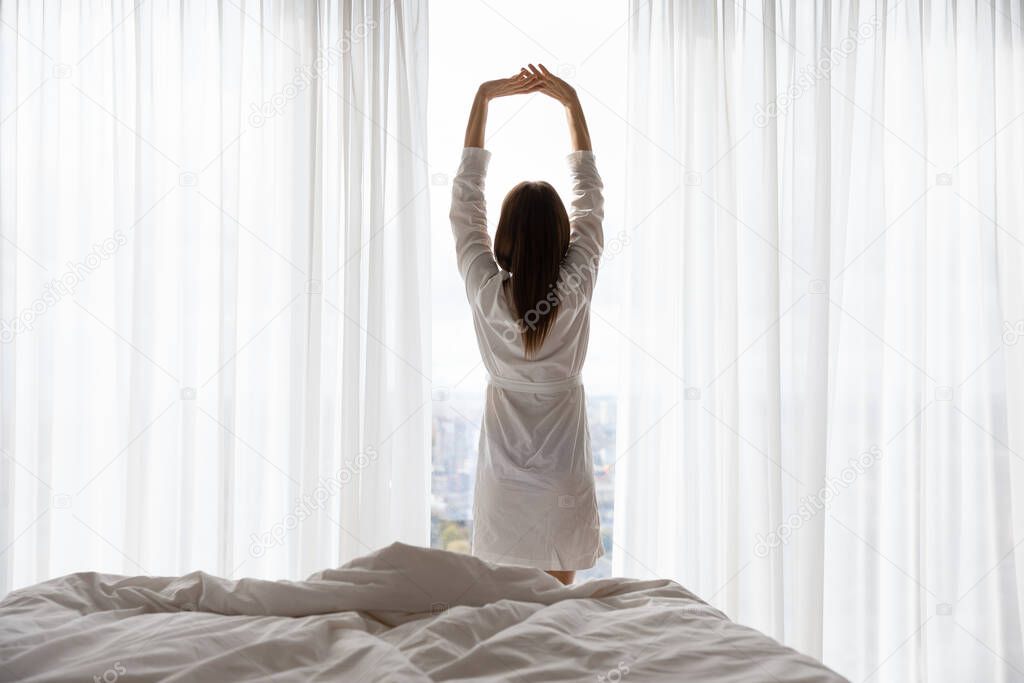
<point>213,286</point>
<point>821,426</point>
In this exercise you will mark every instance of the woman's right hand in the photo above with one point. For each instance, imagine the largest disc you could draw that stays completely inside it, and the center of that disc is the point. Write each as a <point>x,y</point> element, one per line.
<point>553,86</point>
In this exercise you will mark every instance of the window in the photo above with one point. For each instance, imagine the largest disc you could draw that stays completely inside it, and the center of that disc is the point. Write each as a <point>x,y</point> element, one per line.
<point>528,135</point>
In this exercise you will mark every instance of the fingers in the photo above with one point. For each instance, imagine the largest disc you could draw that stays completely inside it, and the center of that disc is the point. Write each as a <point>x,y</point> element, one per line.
<point>526,78</point>
<point>523,82</point>
<point>544,75</point>
<point>531,78</point>
<point>541,80</point>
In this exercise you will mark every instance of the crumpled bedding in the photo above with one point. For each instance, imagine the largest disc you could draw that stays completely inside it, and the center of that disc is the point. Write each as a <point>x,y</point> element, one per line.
<point>402,613</point>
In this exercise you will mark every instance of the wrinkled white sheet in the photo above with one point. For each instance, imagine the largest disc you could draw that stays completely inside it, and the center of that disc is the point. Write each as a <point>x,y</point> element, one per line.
<point>400,614</point>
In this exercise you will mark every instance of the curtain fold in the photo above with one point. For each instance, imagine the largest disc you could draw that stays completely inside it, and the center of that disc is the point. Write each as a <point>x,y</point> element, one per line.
<point>214,311</point>
<point>820,429</point>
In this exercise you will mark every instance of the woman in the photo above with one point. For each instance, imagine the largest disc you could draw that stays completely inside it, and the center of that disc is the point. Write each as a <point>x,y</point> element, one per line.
<point>534,503</point>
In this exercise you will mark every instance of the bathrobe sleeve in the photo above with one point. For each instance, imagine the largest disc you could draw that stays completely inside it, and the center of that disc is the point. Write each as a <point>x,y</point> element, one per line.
<point>468,216</point>
<point>585,218</point>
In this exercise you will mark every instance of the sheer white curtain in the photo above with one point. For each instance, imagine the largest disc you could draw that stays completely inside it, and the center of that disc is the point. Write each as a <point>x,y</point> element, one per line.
<point>213,285</point>
<point>822,412</point>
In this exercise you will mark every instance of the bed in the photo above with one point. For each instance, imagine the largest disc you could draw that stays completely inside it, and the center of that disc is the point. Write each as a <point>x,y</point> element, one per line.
<point>399,614</point>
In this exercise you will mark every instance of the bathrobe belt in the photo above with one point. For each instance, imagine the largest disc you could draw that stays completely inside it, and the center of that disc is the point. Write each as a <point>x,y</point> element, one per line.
<point>530,387</point>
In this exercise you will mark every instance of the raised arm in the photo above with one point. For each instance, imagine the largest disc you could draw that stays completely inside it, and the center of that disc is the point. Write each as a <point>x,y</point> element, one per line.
<point>555,87</point>
<point>587,214</point>
<point>469,210</point>
<point>520,84</point>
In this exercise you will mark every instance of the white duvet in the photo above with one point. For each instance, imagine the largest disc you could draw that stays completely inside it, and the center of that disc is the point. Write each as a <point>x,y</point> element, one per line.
<point>400,614</point>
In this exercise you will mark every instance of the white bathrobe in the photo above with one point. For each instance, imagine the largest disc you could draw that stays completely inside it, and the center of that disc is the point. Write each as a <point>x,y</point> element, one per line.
<point>535,503</point>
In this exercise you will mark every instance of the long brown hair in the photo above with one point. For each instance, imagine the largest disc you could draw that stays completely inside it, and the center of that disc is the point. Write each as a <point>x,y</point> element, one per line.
<point>530,242</point>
